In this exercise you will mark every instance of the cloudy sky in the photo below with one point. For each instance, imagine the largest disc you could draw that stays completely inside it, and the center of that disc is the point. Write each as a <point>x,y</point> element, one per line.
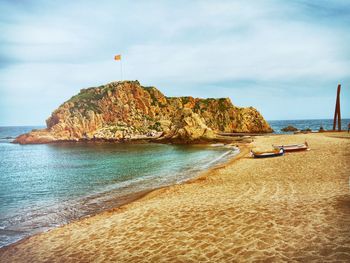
<point>283,57</point>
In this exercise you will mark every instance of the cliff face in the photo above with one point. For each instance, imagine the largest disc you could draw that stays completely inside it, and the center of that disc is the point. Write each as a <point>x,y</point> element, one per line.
<point>126,110</point>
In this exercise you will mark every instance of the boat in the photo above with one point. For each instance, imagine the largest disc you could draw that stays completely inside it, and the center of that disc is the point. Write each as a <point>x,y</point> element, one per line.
<point>292,147</point>
<point>267,154</point>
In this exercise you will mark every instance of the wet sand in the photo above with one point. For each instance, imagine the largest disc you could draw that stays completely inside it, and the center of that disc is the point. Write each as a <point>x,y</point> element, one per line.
<point>290,208</point>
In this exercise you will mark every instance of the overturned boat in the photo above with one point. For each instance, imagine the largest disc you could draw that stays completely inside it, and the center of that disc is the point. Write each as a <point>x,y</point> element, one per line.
<point>267,154</point>
<point>292,147</point>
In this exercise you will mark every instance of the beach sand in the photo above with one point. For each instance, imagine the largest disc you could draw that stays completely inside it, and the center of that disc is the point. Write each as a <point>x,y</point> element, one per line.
<point>290,208</point>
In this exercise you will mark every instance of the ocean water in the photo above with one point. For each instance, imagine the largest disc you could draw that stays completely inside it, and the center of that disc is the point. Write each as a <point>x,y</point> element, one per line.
<point>43,186</point>
<point>314,125</point>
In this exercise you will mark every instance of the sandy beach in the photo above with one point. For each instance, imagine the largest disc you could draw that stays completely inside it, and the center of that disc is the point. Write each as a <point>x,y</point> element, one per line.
<point>290,208</point>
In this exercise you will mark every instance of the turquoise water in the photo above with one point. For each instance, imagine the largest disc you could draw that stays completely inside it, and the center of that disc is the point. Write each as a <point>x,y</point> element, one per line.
<point>43,186</point>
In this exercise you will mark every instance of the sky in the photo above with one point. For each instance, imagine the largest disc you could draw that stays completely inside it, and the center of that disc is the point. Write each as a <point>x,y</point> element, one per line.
<point>285,58</point>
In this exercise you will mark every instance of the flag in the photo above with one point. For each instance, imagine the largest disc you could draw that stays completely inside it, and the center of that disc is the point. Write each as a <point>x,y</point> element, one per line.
<point>117,57</point>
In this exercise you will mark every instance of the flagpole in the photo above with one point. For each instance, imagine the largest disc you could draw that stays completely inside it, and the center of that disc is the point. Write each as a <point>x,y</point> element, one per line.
<point>119,57</point>
<point>121,70</point>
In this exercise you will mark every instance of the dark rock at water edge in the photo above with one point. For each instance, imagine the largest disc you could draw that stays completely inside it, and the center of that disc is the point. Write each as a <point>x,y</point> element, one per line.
<point>289,128</point>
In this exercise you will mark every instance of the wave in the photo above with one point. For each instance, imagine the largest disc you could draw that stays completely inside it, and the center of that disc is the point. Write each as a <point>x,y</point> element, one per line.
<point>35,219</point>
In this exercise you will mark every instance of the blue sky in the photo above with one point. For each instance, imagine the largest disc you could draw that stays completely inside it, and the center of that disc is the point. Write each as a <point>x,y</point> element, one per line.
<point>283,57</point>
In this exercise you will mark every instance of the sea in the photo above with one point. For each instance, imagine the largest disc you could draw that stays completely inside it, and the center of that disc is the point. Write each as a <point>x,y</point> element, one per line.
<point>313,124</point>
<point>49,185</point>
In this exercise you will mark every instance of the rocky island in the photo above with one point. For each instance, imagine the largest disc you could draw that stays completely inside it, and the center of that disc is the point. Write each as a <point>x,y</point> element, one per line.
<point>125,110</point>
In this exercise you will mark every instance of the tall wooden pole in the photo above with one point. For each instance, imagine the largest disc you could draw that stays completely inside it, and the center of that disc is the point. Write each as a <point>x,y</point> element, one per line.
<point>335,114</point>
<point>339,118</point>
<point>337,111</point>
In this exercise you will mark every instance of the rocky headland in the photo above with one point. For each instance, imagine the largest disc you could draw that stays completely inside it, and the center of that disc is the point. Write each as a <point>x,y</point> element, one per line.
<point>127,111</point>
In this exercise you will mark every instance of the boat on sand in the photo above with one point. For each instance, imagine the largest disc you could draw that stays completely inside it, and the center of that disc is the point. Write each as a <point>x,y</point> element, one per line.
<point>292,147</point>
<point>267,154</point>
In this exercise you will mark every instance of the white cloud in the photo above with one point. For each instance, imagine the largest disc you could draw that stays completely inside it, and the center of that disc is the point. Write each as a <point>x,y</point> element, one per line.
<point>199,48</point>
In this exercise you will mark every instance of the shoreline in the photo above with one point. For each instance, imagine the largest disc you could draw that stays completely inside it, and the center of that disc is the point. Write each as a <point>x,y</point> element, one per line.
<point>248,206</point>
<point>219,138</point>
<point>126,199</point>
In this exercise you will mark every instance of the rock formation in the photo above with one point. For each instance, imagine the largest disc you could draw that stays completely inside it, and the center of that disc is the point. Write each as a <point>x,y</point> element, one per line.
<point>126,110</point>
<point>289,128</point>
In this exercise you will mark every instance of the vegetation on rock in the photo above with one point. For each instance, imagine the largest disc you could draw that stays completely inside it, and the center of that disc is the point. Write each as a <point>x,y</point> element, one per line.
<point>121,110</point>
